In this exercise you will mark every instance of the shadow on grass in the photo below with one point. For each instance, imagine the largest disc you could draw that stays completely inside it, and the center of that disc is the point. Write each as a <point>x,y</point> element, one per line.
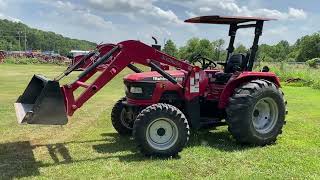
<point>221,140</point>
<point>115,144</point>
<point>123,144</point>
<point>17,158</point>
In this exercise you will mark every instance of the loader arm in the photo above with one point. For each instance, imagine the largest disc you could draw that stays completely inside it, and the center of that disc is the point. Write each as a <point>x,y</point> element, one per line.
<point>114,61</point>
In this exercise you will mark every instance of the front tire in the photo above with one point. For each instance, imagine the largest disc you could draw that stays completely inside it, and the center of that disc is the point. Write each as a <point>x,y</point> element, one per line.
<point>161,130</point>
<point>120,120</point>
<point>256,113</point>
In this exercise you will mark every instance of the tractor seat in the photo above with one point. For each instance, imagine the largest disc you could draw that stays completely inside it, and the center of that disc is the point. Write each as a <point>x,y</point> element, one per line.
<point>236,62</point>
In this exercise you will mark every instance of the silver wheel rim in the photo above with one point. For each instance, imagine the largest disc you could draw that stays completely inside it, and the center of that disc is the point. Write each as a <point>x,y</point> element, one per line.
<point>162,134</point>
<point>125,119</point>
<point>265,115</point>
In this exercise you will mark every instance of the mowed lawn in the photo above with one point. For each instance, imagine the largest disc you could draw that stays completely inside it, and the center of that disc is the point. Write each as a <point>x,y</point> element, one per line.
<point>89,147</point>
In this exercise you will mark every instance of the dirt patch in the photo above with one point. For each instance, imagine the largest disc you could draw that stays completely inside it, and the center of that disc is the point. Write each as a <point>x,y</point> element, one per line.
<point>295,80</point>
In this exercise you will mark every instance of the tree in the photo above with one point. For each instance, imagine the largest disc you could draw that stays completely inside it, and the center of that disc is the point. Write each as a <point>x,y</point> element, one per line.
<point>37,39</point>
<point>3,45</point>
<point>278,53</point>
<point>190,48</point>
<point>182,53</point>
<point>170,48</point>
<point>196,46</point>
<point>281,50</point>
<point>218,49</point>
<point>309,47</point>
<point>205,48</point>
<point>240,49</point>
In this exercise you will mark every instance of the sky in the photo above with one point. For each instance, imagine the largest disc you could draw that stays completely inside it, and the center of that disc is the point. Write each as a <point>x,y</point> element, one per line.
<point>113,21</point>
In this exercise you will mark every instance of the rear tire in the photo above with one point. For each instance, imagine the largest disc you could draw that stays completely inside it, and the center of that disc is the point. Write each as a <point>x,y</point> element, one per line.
<point>119,118</point>
<point>161,130</point>
<point>256,113</point>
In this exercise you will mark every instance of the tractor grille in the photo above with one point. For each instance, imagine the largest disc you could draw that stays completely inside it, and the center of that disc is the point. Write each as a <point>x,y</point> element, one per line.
<point>147,90</point>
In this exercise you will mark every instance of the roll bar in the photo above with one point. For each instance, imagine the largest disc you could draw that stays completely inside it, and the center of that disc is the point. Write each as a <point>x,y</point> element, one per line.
<point>236,22</point>
<point>253,50</point>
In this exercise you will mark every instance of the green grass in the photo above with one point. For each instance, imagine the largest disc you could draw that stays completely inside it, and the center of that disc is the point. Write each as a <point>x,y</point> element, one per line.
<point>88,147</point>
<point>36,60</point>
<point>296,75</point>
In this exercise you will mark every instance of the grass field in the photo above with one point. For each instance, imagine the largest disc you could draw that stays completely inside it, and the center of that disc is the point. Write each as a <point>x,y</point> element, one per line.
<point>88,147</point>
<point>295,74</point>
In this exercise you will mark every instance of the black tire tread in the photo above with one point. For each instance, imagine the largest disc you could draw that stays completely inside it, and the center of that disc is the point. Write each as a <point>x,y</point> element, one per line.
<point>239,103</point>
<point>115,118</point>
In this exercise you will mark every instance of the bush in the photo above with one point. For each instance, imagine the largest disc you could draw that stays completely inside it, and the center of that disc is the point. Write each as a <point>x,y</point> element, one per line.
<point>313,62</point>
<point>266,59</point>
<point>12,60</point>
<point>295,75</point>
<point>291,59</point>
<point>25,60</point>
<point>316,84</point>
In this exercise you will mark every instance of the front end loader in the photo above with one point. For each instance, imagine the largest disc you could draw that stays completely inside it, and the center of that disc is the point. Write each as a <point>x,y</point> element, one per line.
<point>41,103</point>
<point>161,106</point>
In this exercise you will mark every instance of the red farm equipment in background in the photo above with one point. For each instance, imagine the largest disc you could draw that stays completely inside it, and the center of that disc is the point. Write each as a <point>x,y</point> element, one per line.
<point>2,56</point>
<point>161,106</point>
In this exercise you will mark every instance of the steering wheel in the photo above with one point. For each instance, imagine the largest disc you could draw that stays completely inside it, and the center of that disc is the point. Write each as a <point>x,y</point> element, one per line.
<point>205,62</point>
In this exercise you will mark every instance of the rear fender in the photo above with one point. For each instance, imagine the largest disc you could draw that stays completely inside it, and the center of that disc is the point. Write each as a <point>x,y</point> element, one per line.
<point>244,77</point>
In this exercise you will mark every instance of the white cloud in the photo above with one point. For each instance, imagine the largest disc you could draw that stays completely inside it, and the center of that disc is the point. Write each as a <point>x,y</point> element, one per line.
<point>204,9</point>
<point>231,7</point>
<point>65,5</point>
<point>3,7</point>
<point>89,20</point>
<point>297,13</point>
<point>76,15</point>
<point>143,9</point>
<point>292,14</point>
<point>278,31</point>
<point>161,31</point>
<point>94,12</point>
<point>117,20</point>
<point>2,16</point>
<point>120,5</point>
<point>166,17</point>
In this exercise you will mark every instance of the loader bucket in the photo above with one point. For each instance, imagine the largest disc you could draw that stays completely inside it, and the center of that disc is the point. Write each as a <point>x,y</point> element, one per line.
<point>41,103</point>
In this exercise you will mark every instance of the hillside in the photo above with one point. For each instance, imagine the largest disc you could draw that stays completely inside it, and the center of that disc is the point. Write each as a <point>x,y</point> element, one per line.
<point>37,39</point>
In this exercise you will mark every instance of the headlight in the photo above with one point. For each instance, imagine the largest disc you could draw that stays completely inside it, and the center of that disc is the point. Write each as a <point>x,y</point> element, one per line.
<point>136,90</point>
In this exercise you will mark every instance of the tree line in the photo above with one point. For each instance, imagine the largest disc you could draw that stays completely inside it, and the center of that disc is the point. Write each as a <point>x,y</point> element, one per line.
<point>13,36</point>
<point>304,49</point>
<point>18,36</point>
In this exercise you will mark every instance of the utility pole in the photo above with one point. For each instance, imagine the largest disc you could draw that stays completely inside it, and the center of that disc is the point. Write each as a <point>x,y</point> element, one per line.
<point>25,39</point>
<point>19,41</point>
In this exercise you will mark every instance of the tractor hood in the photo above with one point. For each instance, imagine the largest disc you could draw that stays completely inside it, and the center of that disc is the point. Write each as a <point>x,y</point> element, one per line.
<point>155,76</point>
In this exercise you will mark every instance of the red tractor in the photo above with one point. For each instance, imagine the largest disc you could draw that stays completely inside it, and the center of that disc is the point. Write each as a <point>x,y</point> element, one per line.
<point>162,106</point>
